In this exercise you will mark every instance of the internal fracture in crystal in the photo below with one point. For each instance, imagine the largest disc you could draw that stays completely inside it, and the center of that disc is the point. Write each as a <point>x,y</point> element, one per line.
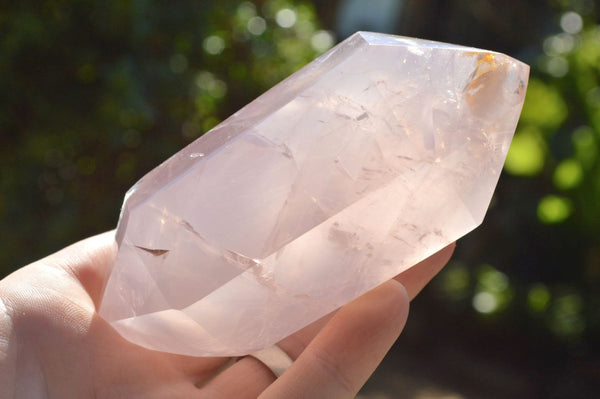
<point>373,157</point>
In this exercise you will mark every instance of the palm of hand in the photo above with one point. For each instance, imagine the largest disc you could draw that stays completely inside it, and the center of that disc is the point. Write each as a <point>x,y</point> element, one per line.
<point>54,344</point>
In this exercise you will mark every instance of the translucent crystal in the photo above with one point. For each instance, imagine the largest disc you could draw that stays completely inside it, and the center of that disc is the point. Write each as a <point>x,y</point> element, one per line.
<point>371,158</point>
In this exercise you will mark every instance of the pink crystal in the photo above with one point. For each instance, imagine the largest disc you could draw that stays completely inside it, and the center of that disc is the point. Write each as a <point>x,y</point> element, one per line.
<point>371,158</point>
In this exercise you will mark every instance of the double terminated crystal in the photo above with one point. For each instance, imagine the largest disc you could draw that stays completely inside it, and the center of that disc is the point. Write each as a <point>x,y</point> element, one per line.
<point>373,157</point>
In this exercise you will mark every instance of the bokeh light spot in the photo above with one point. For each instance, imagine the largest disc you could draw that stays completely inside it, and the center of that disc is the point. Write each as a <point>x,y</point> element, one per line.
<point>559,44</point>
<point>526,154</point>
<point>544,106</point>
<point>571,22</point>
<point>322,41</point>
<point>257,26</point>
<point>593,97</point>
<point>584,145</point>
<point>455,280</point>
<point>213,45</point>
<point>554,209</point>
<point>485,302</point>
<point>208,83</point>
<point>286,18</point>
<point>568,174</point>
<point>492,279</point>
<point>556,66</point>
<point>246,10</point>
<point>493,290</point>
<point>538,298</point>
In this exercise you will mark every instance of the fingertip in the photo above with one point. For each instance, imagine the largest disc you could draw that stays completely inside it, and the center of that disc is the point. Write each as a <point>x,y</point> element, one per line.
<point>403,292</point>
<point>349,348</point>
<point>419,275</point>
<point>393,301</point>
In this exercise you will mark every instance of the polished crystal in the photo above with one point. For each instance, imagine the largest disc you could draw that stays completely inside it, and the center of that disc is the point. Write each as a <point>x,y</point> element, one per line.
<point>371,158</point>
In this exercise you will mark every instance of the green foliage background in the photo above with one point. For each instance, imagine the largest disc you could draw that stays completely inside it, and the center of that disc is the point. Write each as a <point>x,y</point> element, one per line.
<point>95,94</point>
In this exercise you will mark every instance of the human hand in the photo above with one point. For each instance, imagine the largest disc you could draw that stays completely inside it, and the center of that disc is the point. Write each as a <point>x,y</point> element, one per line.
<point>53,343</point>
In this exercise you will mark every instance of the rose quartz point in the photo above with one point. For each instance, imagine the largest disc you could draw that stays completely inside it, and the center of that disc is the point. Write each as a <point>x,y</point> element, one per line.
<point>373,157</point>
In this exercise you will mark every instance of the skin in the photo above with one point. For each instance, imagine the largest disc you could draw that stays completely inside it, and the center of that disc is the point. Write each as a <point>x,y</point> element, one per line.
<point>53,344</point>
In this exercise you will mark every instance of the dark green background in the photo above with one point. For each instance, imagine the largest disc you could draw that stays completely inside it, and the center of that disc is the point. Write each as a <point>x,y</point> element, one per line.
<point>93,94</point>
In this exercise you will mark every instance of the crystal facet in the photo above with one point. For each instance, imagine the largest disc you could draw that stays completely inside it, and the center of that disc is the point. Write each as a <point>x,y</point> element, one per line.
<point>371,158</point>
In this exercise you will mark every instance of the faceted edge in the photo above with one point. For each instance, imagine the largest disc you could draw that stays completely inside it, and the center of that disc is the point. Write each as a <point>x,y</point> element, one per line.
<point>253,113</point>
<point>376,39</point>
